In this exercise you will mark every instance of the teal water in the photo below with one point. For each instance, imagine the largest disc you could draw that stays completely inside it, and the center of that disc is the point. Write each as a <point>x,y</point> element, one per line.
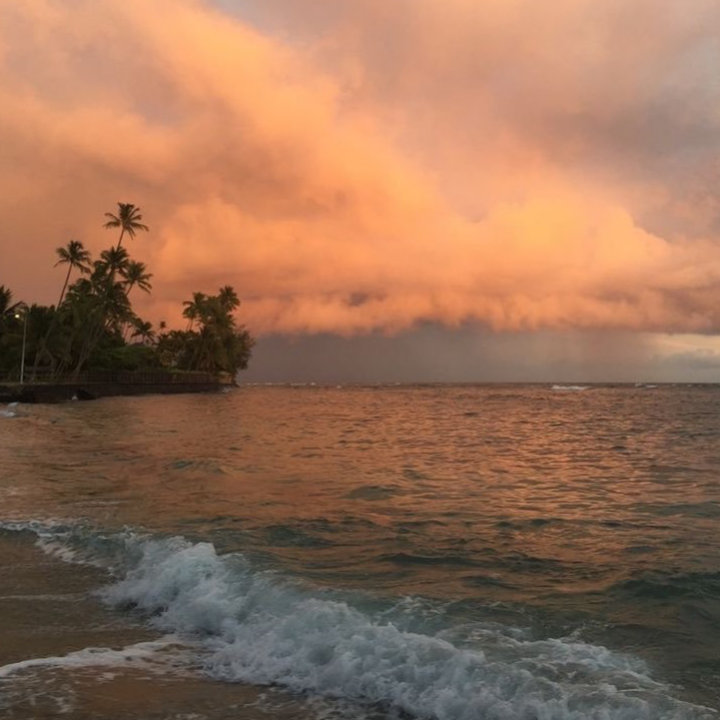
<point>371,552</point>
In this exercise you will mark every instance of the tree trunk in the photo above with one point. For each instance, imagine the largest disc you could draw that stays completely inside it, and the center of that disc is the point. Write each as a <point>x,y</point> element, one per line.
<point>64,287</point>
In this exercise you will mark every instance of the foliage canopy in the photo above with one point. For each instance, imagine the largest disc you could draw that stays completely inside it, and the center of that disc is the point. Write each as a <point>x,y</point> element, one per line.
<point>94,327</point>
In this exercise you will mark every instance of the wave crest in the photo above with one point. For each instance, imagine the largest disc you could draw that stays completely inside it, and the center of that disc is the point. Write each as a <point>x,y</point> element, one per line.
<point>260,629</point>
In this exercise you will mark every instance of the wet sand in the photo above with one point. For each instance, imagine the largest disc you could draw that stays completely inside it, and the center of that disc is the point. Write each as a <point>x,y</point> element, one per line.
<point>48,610</point>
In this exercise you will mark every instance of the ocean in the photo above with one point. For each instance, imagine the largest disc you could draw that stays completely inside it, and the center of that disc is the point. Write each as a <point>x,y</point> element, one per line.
<point>448,552</point>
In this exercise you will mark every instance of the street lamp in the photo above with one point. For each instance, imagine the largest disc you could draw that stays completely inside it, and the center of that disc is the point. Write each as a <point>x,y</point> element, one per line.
<point>22,360</point>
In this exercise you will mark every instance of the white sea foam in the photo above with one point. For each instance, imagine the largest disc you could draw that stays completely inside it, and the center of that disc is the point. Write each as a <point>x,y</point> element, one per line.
<point>79,544</point>
<point>51,537</point>
<point>50,529</point>
<point>250,626</point>
<point>570,388</point>
<point>258,629</point>
<point>10,411</point>
<point>55,548</point>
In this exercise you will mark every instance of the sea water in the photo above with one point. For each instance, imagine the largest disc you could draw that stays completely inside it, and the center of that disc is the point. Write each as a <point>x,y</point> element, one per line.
<point>447,552</point>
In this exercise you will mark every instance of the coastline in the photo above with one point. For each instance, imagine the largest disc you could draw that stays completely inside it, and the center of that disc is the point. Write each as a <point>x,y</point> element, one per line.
<point>64,391</point>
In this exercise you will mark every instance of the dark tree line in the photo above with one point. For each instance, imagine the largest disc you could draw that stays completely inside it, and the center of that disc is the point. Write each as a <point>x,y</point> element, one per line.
<point>94,327</point>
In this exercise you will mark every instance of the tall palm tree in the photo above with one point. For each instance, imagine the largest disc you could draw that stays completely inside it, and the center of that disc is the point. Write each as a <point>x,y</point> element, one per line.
<point>136,274</point>
<point>116,259</point>
<point>194,308</point>
<point>228,298</point>
<point>74,256</point>
<point>128,220</point>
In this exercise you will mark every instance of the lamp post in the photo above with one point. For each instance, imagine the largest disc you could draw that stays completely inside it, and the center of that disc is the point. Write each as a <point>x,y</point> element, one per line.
<point>22,358</point>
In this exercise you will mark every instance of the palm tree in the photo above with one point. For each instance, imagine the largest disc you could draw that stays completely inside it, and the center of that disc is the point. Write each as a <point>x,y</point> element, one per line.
<point>6,308</point>
<point>128,220</point>
<point>194,308</point>
<point>143,330</point>
<point>217,345</point>
<point>228,298</point>
<point>136,274</point>
<point>74,256</point>
<point>116,259</point>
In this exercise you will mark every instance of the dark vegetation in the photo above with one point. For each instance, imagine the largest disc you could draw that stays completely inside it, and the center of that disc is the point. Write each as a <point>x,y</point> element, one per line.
<point>93,327</point>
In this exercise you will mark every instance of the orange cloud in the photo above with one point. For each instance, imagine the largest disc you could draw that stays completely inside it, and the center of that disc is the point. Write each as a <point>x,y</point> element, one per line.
<point>451,179</point>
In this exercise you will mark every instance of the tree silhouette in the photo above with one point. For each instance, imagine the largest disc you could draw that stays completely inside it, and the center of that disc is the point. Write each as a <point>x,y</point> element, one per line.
<point>114,260</point>
<point>136,274</point>
<point>128,220</point>
<point>217,345</point>
<point>74,255</point>
<point>228,298</point>
<point>193,308</point>
<point>88,328</point>
<point>6,306</point>
<point>143,330</point>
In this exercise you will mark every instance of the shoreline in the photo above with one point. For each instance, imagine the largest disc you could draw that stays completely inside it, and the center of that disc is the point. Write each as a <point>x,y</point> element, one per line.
<point>52,393</point>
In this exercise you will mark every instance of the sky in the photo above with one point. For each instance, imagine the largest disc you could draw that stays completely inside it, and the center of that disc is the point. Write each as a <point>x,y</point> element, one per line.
<point>418,190</point>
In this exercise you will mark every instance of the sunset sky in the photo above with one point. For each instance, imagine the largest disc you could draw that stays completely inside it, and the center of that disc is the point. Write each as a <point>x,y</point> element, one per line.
<point>398,190</point>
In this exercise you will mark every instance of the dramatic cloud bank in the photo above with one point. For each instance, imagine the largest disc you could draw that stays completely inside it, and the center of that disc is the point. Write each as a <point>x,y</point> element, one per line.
<point>368,165</point>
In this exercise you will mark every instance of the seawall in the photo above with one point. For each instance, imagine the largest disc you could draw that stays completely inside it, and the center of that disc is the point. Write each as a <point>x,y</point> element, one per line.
<point>62,392</point>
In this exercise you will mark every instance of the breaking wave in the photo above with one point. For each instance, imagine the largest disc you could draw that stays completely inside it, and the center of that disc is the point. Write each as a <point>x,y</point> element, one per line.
<point>258,627</point>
